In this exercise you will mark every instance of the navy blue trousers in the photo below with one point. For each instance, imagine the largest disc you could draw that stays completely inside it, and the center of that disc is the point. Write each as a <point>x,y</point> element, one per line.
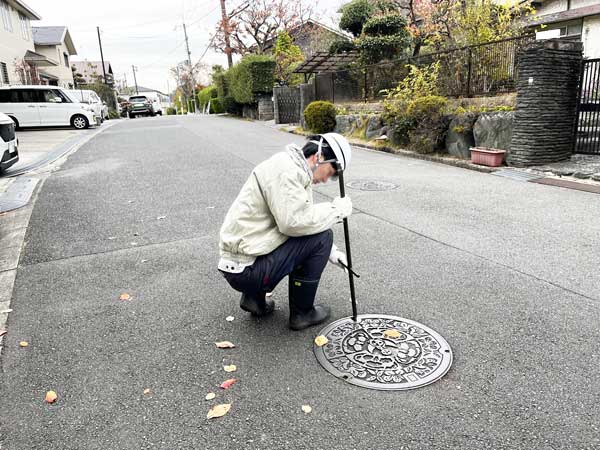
<point>304,256</point>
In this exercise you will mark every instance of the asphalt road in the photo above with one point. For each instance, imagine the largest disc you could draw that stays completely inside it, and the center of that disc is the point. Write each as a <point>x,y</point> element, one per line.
<point>506,271</point>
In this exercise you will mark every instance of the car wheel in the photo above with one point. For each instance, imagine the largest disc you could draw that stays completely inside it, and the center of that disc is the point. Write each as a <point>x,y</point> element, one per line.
<point>131,116</point>
<point>16,122</point>
<point>79,122</point>
<point>160,113</point>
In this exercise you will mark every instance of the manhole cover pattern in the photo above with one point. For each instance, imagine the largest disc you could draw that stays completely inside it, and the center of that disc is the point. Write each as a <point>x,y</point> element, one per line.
<point>371,185</point>
<point>365,353</point>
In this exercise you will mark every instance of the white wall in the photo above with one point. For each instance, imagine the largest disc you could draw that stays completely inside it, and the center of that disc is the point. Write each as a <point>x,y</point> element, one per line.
<point>582,3</point>
<point>12,45</point>
<point>551,7</point>
<point>55,53</point>
<point>591,37</point>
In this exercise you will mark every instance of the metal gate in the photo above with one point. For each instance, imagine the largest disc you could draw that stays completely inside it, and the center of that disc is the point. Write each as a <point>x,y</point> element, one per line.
<point>587,133</point>
<point>287,104</point>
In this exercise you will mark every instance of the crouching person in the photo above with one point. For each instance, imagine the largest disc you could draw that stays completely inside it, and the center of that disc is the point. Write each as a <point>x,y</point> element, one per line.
<point>273,229</point>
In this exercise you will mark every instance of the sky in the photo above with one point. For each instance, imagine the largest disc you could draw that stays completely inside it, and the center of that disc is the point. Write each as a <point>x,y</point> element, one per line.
<point>146,33</point>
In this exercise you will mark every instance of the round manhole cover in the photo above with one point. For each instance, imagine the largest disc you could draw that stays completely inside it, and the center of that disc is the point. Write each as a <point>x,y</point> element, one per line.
<point>371,185</point>
<point>384,352</point>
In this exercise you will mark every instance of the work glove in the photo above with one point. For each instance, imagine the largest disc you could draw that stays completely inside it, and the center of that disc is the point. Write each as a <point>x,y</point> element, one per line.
<point>343,205</point>
<point>337,256</point>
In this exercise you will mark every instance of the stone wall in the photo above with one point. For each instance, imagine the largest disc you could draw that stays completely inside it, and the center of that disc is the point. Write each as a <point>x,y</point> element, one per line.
<point>265,108</point>
<point>546,112</point>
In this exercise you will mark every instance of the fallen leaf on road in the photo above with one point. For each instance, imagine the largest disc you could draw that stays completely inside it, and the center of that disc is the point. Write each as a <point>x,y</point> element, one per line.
<point>229,318</point>
<point>210,207</point>
<point>51,397</point>
<point>218,411</point>
<point>230,368</point>
<point>3,332</point>
<point>224,344</point>
<point>210,396</point>
<point>161,217</point>
<point>307,409</point>
<point>136,234</point>
<point>228,383</point>
<point>147,391</point>
<point>392,334</point>
<point>144,260</point>
<point>23,344</point>
<point>133,243</point>
<point>321,340</point>
<point>125,297</point>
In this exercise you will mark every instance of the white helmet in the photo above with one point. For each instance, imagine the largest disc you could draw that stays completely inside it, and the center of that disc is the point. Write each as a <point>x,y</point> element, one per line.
<point>341,148</point>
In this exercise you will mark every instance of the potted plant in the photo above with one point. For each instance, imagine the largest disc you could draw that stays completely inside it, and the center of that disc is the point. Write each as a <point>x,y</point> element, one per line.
<point>484,156</point>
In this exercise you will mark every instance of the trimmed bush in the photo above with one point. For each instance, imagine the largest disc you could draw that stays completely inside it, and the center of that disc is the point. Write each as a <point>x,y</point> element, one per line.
<point>384,25</point>
<point>230,106</point>
<point>253,75</point>
<point>320,117</point>
<point>209,94</point>
<point>171,111</point>
<point>355,14</point>
<point>341,46</point>
<point>220,80</point>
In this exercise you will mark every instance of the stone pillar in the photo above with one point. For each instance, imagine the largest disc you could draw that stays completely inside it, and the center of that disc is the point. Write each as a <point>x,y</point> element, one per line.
<point>276,94</point>
<point>265,107</point>
<point>546,112</point>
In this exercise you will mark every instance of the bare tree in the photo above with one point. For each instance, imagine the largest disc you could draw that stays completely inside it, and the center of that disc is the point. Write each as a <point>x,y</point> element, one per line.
<point>252,25</point>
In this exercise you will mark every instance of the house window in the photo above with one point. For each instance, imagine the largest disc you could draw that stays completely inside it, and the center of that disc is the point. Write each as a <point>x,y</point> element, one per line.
<point>25,26</point>
<point>66,59</point>
<point>4,73</point>
<point>6,20</point>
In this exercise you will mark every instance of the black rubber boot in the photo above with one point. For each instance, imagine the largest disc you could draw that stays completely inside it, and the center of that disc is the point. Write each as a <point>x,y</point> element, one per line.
<point>257,305</point>
<point>302,297</point>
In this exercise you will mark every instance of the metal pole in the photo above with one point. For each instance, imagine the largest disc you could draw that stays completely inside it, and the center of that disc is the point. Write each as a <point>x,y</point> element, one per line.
<point>348,253</point>
<point>101,54</point>
<point>187,45</point>
<point>135,80</point>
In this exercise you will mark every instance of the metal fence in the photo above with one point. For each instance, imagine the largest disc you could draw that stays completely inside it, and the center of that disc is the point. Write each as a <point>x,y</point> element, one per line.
<point>479,70</point>
<point>587,137</point>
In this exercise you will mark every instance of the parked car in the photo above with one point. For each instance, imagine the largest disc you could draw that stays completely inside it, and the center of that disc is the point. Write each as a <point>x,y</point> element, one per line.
<point>9,153</point>
<point>40,106</point>
<point>91,98</point>
<point>156,100</point>
<point>140,105</point>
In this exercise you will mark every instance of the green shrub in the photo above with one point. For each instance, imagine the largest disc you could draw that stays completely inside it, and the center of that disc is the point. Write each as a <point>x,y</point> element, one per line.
<point>230,106</point>
<point>112,114</point>
<point>206,95</point>
<point>216,107</point>
<point>320,117</point>
<point>341,46</point>
<point>429,123</point>
<point>253,75</point>
<point>220,80</point>
<point>171,111</point>
<point>355,14</point>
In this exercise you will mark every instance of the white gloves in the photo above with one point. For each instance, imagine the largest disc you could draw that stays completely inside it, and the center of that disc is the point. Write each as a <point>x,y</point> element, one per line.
<point>344,205</point>
<point>336,256</point>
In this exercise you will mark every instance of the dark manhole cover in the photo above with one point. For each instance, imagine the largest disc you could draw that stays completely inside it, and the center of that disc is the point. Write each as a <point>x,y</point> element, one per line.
<point>384,352</point>
<point>371,185</point>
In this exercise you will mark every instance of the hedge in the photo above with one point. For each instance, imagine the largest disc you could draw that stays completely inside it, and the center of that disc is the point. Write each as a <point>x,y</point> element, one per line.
<point>253,75</point>
<point>320,117</point>
<point>209,94</point>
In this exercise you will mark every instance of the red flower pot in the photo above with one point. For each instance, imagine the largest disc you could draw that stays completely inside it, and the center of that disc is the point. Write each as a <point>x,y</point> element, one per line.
<point>490,157</point>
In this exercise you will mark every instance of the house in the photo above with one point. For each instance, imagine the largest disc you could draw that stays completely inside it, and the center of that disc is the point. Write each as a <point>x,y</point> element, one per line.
<point>55,43</point>
<point>91,72</point>
<point>311,36</point>
<point>570,19</point>
<point>19,61</point>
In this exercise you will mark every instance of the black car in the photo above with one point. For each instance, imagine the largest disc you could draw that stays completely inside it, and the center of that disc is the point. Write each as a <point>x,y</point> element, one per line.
<point>140,105</point>
<point>9,153</point>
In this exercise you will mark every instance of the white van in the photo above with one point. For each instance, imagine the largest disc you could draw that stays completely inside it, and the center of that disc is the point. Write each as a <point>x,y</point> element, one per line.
<point>89,97</point>
<point>40,106</point>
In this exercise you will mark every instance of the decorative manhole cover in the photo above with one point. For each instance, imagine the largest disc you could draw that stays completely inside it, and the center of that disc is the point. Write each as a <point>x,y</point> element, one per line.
<point>371,185</point>
<point>384,352</point>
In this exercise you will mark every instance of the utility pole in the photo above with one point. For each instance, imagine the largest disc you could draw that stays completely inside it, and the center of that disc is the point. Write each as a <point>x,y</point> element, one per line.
<point>101,54</point>
<point>135,78</point>
<point>225,21</point>
<point>125,78</point>
<point>191,71</point>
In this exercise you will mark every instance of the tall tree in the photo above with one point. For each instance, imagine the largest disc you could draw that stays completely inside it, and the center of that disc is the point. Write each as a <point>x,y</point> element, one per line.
<point>252,25</point>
